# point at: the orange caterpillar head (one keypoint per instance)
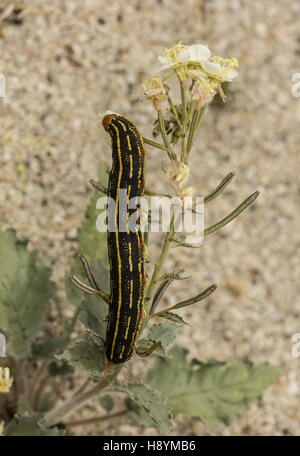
(109, 116)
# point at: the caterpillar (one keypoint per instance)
(125, 246)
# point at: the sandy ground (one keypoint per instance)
(67, 61)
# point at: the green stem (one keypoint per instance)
(174, 111)
(164, 135)
(191, 133)
(70, 405)
(158, 267)
(194, 128)
(184, 120)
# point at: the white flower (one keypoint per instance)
(180, 55)
(221, 69)
(195, 53)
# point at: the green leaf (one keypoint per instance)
(47, 347)
(159, 336)
(150, 401)
(91, 243)
(30, 425)
(215, 392)
(93, 314)
(86, 354)
(173, 317)
(25, 291)
(107, 402)
(199, 297)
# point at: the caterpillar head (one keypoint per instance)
(108, 117)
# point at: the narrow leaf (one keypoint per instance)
(173, 317)
(233, 214)
(220, 188)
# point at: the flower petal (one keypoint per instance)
(210, 67)
(199, 52)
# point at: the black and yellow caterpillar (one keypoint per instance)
(125, 246)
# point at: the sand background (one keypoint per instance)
(67, 61)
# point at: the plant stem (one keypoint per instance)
(164, 135)
(196, 122)
(38, 376)
(174, 111)
(158, 267)
(70, 405)
(184, 120)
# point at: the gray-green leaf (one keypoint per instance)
(47, 347)
(150, 401)
(29, 425)
(159, 336)
(215, 392)
(86, 354)
(25, 291)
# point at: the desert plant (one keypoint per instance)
(39, 354)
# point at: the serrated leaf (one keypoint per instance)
(93, 314)
(91, 243)
(86, 354)
(159, 336)
(215, 392)
(25, 291)
(173, 317)
(107, 402)
(47, 347)
(150, 401)
(30, 425)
